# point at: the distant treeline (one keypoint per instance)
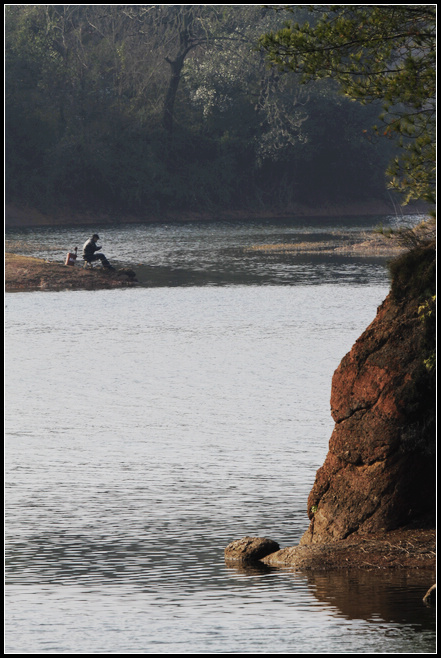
(173, 107)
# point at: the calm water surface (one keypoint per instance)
(147, 428)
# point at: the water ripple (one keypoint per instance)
(143, 433)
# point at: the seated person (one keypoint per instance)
(89, 249)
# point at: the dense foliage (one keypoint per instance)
(381, 53)
(147, 108)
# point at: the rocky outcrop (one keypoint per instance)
(373, 502)
(379, 473)
(396, 549)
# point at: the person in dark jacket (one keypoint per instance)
(89, 252)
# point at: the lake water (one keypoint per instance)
(147, 428)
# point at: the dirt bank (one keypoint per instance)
(26, 274)
(399, 549)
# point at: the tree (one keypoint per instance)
(95, 118)
(173, 32)
(376, 53)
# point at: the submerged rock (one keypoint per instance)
(250, 549)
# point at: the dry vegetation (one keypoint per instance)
(368, 244)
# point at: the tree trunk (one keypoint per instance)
(170, 96)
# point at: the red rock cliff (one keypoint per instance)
(379, 473)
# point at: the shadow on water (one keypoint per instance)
(373, 595)
(170, 277)
(391, 596)
(258, 270)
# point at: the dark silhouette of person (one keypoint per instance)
(89, 252)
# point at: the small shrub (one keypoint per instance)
(414, 273)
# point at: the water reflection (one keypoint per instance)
(392, 596)
(395, 596)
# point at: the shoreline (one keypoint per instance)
(405, 548)
(344, 244)
(22, 216)
(29, 274)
